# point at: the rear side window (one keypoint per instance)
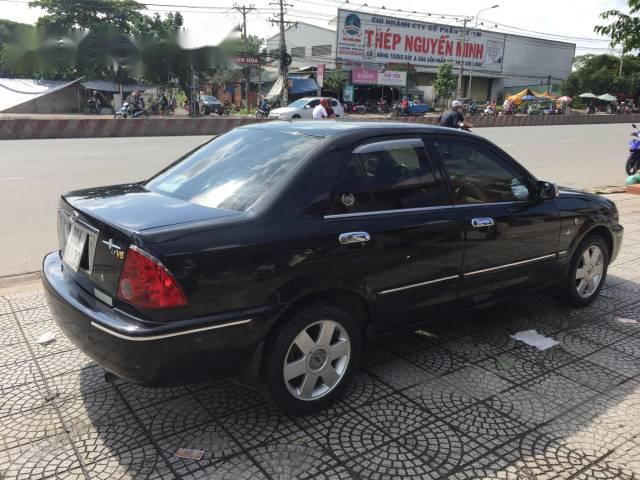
(334, 103)
(236, 169)
(480, 175)
(352, 193)
(400, 175)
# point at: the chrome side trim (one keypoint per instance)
(562, 253)
(421, 284)
(389, 145)
(495, 204)
(507, 265)
(168, 335)
(384, 212)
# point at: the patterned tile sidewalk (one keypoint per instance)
(461, 401)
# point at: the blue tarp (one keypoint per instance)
(303, 85)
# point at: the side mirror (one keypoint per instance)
(634, 125)
(548, 190)
(307, 106)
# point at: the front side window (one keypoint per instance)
(480, 175)
(236, 169)
(400, 176)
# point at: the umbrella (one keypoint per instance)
(587, 95)
(607, 98)
(566, 99)
(528, 98)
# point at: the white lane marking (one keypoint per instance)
(507, 145)
(569, 140)
(10, 178)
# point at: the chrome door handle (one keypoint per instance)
(354, 237)
(482, 222)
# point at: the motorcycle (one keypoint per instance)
(93, 104)
(127, 111)
(591, 110)
(263, 112)
(633, 162)
(474, 109)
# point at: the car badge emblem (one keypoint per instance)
(348, 199)
(111, 246)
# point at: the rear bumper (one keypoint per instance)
(150, 353)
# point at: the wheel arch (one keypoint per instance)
(601, 230)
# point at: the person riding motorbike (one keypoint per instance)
(94, 102)
(134, 101)
(453, 118)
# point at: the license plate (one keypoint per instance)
(74, 247)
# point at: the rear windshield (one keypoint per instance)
(235, 169)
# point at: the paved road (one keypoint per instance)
(33, 173)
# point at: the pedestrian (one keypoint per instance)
(320, 112)
(327, 106)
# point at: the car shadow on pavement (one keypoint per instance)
(458, 400)
(461, 400)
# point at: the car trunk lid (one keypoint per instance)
(108, 218)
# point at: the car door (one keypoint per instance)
(337, 108)
(391, 232)
(511, 235)
(307, 110)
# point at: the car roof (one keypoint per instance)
(339, 128)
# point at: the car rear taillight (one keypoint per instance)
(146, 283)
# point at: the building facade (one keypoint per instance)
(365, 43)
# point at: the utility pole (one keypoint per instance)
(461, 71)
(548, 84)
(475, 29)
(283, 67)
(243, 9)
(621, 60)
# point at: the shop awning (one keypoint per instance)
(303, 85)
(14, 91)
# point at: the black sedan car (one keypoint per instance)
(210, 104)
(274, 251)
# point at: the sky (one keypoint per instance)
(210, 20)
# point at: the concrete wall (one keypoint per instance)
(66, 100)
(28, 128)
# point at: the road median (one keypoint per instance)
(36, 128)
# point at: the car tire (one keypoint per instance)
(587, 273)
(312, 358)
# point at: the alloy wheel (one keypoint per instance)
(316, 360)
(589, 272)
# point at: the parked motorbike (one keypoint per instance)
(633, 162)
(263, 112)
(591, 110)
(474, 109)
(128, 111)
(93, 104)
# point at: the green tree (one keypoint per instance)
(445, 82)
(624, 30)
(334, 82)
(599, 74)
(65, 15)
